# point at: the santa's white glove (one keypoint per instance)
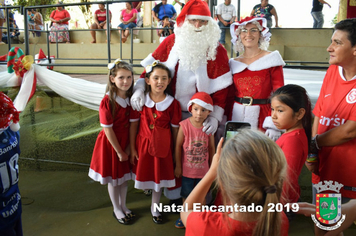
(271, 130)
(138, 97)
(210, 125)
(137, 100)
(273, 134)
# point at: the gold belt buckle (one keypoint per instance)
(250, 103)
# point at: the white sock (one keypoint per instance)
(156, 196)
(114, 193)
(122, 199)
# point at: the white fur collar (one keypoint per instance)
(160, 106)
(122, 102)
(271, 60)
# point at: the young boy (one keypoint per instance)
(198, 147)
(166, 29)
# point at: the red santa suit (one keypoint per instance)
(212, 78)
(256, 80)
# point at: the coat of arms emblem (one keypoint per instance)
(328, 206)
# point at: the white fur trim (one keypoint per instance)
(218, 113)
(160, 106)
(148, 60)
(106, 126)
(247, 114)
(15, 127)
(189, 82)
(271, 60)
(153, 185)
(134, 120)
(201, 103)
(197, 17)
(105, 180)
(185, 86)
(265, 31)
(208, 85)
(171, 62)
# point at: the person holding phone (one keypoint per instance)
(250, 169)
(194, 148)
(256, 74)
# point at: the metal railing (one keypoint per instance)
(131, 59)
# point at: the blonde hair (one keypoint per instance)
(250, 164)
(111, 87)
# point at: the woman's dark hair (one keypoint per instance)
(296, 97)
(163, 67)
(130, 4)
(349, 26)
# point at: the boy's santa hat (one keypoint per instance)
(202, 99)
(9, 116)
(194, 9)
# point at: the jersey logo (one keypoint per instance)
(351, 96)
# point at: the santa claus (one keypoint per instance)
(197, 61)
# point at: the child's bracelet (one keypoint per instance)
(312, 158)
(316, 141)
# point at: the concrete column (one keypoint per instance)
(147, 17)
(342, 10)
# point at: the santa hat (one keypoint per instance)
(9, 116)
(202, 99)
(39, 59)
(194, 9)
(262, 21)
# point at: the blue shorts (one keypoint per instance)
(188, 185)
(128, 26)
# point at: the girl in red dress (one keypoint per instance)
(152, 154)
(250, 171)
(109, 164)
(291, 110)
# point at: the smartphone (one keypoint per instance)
(232, 128)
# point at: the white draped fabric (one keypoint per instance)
(83, 92)
(90, 94)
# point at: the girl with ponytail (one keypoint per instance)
(250, 171)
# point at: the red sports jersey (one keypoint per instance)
(335, 106)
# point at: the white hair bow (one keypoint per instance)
(150, 67)
(111, 65)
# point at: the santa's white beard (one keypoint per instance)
(196, 47)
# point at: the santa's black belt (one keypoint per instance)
(248, 101)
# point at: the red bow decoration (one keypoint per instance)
(19, 68)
